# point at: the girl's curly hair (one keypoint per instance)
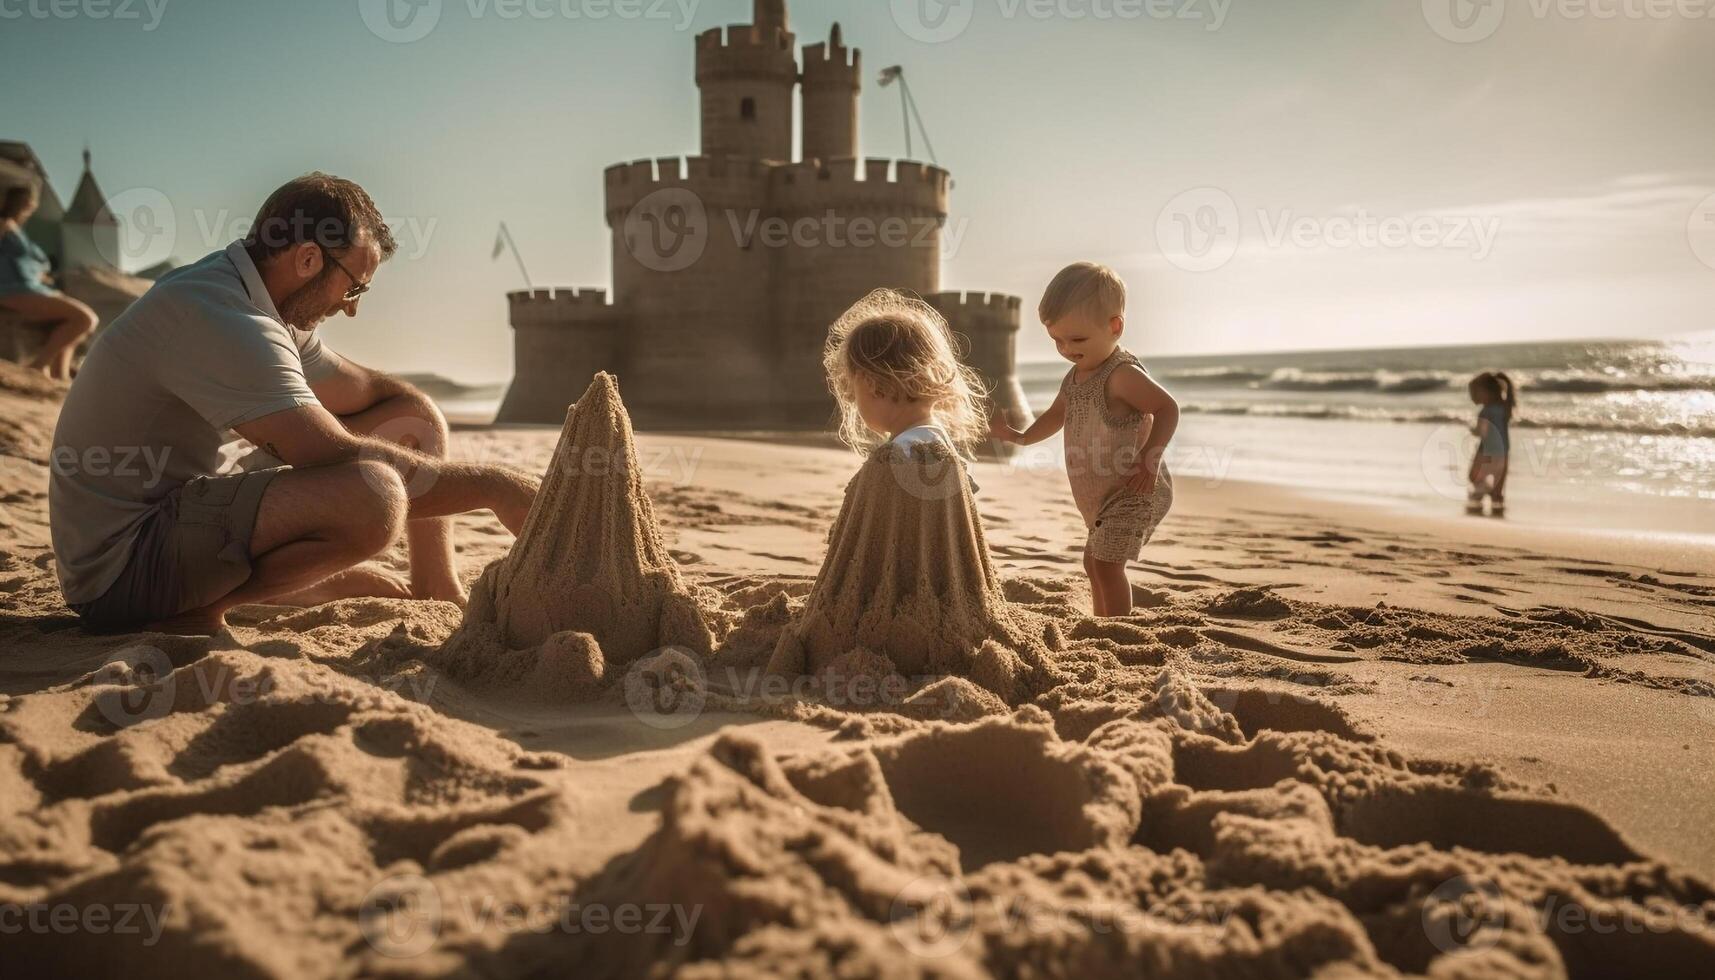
(904, 347)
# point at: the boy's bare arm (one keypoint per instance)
(1046, 424)
(1132, 386)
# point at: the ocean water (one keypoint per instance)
(1608, 435)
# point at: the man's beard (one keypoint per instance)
(302, 308)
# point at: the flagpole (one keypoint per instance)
(507, 234)
(911, 100)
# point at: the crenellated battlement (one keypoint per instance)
(826, 63)
(561, 307)
(719, 183)
(743, 51)
(985, 306)
(744, 37)
(874, 184)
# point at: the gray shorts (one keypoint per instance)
(193, 548)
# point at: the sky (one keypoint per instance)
(1265, 175)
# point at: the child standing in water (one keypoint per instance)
(891, 366)
(1488, 477)
(1118, 423)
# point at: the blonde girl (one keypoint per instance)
(896, 376)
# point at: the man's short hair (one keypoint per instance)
(17, 199)
(330, 211)
(1084, 287)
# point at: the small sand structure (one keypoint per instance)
(907, 578)
(589, 584)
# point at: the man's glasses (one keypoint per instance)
(358, 288)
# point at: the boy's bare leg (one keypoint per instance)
(312, 524)
(1108, 580)
(413, 421)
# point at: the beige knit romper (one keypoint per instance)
(1100, 448)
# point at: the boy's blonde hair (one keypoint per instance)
(1084, 287)
(905, 348)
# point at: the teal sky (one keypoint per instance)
(1557, 171)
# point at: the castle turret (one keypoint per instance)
(747, 74)
(90, 233)
(988, 324)
(832, 80)
(562, 338)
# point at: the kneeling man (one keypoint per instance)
(153, 528)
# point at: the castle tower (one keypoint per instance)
(747, 75)
(832, 80)
(90, 233)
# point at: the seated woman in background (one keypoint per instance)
(26, 289)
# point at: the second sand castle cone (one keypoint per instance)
(590, 558)
(908, 576)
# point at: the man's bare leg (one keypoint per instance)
(366, 581)
(312, 524)
(413, 421)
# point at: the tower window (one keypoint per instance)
(747, 108)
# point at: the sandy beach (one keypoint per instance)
(1332, 739)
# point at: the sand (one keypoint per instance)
(1330, 741)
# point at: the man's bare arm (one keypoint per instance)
(310, 436)
(352, 388)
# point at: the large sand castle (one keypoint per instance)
(703, 276)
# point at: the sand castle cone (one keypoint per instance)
(908, 576)
(590, 558)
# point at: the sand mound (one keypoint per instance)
(1000, 848)
(242, 815)
(907, 575)
(589, 584)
